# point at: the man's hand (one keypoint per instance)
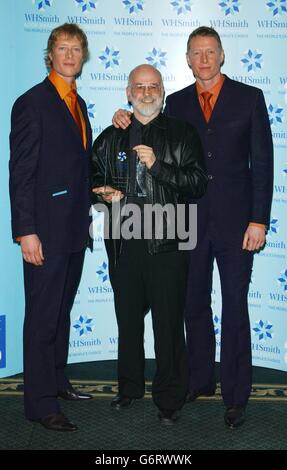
(145, 155)
(32, 249)
(254, 238)
(108, 194)
(121, 119)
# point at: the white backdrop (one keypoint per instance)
(123, 34)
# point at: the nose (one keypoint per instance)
(69, 52)
(204, 57)
(147, 91)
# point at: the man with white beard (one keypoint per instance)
(156, 161)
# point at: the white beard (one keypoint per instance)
(148, 107)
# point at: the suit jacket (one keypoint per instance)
(238, 152)
(49, 171)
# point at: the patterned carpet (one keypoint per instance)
(200, 427)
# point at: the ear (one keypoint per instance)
(222, 58)
(187, 59)
(50, 56)
(128, 93)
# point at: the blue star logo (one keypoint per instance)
(252, 60)
(181, 7)
(157, 58)
(275, 114)
(102, 272)
(110, 57)
(91, 109)
(277, 7)
(229, 7)
(133, 6)
(273, 227)
(217, 325)
(122, 156)
(284, 171)
(42, 4)
(83, 325)
(263, 330)
(283, 279)
(86, 5)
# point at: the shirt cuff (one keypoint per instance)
(255, 224)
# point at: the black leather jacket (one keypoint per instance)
(177, 175)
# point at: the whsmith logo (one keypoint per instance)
(217, 325)
(229, 7)
(280, 299)
(117, 77)
(252, 60)
(263, 330)
(2, 341)
(283, 280)
(110, 57)
(181, 7)
(275, 113)
(83, 325)
(85, 20)
(86, 6)
(276, 8)
(157, 58)
(273, 226)
(41, 5)
(102, 272)
(133, 6)
(91, 109)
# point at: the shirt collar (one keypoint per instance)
(62, 87)
(215, 89)
(157, 121)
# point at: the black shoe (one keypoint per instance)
(234, 416)
(72, 394)
(121, 401)
(194, 394)
(57, 422)
(167, 417)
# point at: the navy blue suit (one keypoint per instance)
(50, 197)
(238, 152)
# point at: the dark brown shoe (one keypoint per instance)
(121, 402)
(168, 417)
(57, 422)
(234, 416)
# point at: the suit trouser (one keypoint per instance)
(141, 280)
(234, 265)
(49, 293)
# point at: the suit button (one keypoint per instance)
(209, 131)
(210, 177)
(209, 154)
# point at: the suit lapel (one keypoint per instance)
(63, 108)
(222, 102)
(196, 110)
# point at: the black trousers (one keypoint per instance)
(49, 293)
(140, 281)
